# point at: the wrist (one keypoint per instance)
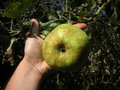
(24, 74)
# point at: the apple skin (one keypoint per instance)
(64, 47)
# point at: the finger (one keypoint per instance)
(81, 25)
(35, 27)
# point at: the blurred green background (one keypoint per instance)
(101, 72)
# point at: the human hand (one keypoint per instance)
(33, 49)
(33, 66)
(33, 46)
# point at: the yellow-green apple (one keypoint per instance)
(64, 47)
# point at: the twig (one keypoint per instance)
(11, 23)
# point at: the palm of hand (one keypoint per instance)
(33, 48)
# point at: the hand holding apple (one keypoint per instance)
(33, 66)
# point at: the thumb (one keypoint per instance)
(34, 30)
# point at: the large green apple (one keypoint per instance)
(63, 47)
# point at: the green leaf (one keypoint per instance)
(114, 18)
(12, 10)
(50, 25)
(26, 3)
(15, 9)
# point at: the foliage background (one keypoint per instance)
(103, 19)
